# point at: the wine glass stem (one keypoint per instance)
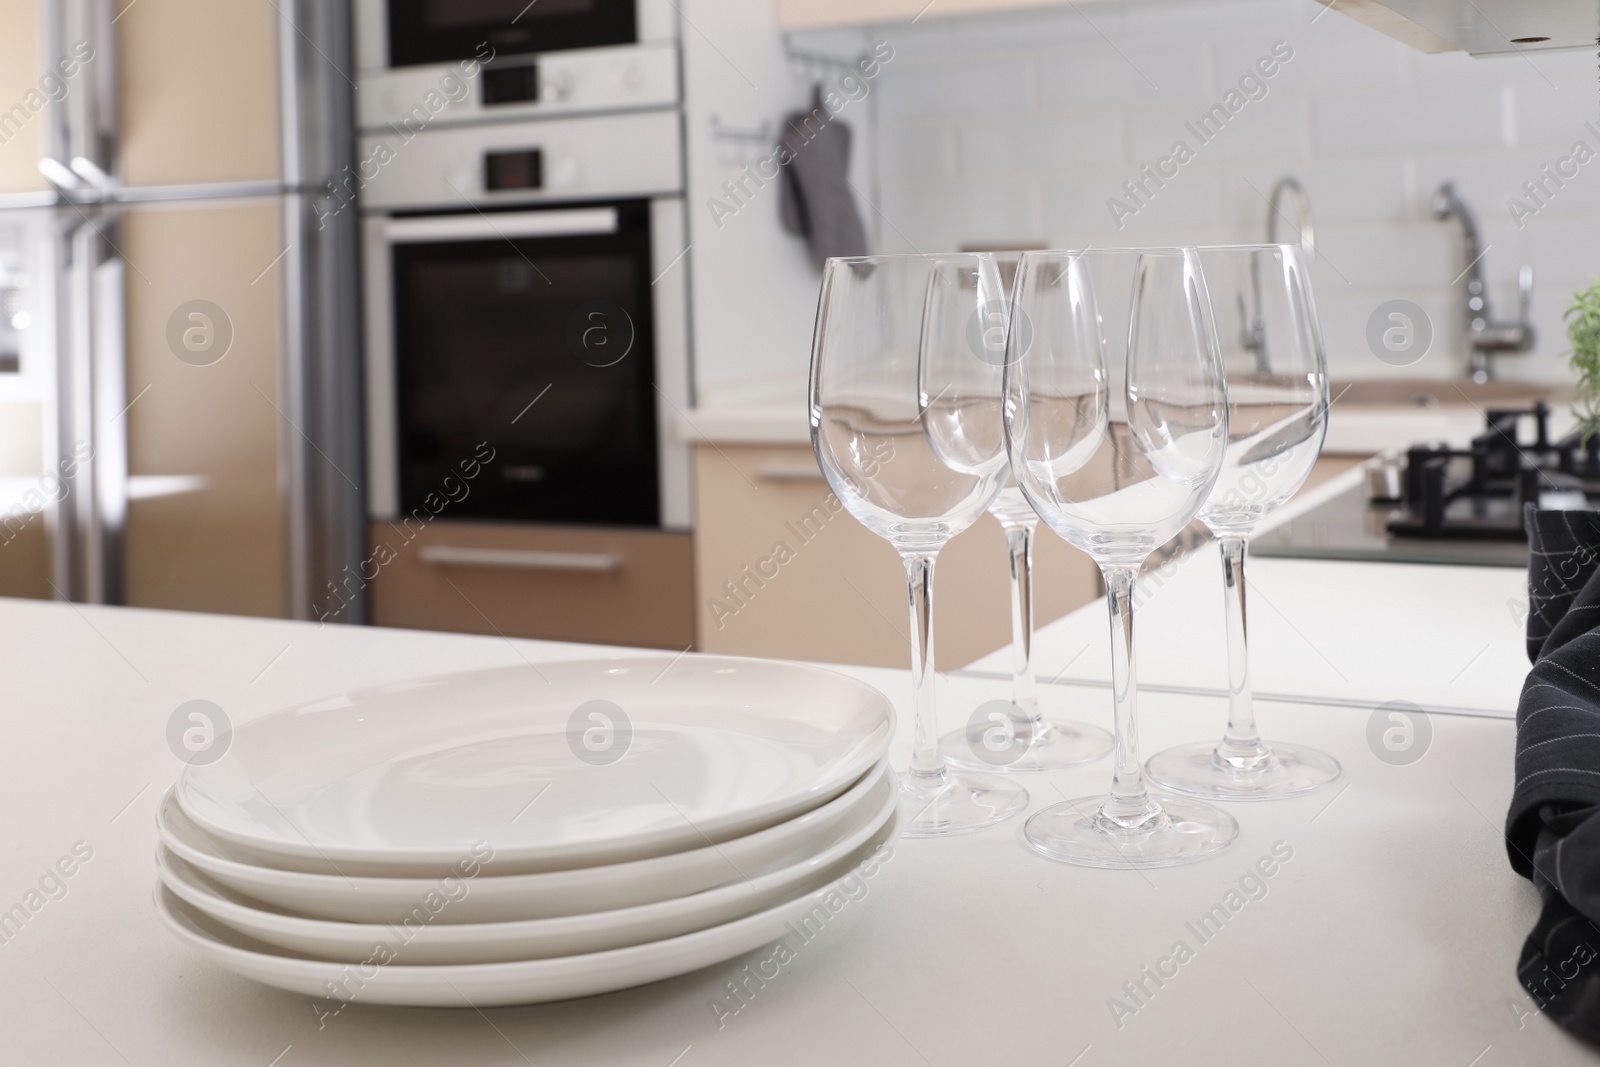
(1241, 741)
(925, 758)
(1019, 536)
(1129, 801)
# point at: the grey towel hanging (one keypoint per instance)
(816, 198)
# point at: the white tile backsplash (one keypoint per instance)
(1375, 123)
(1021, 127)
(920, 150)
(1105, 74)
(949, 90)
(1275, 126)
(1005, 146)
(1343, 190)
(1555, 114)
(956, 214)
(1330, 53)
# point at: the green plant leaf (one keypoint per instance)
(1583, 334)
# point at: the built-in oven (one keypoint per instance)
(527, 321)
(427, 61)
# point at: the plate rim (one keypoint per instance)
(524, 884)
(578, 854)
(581, 975)
(783, 879)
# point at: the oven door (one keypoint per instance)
(524, 352)
(439, 31)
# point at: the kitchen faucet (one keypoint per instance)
(1253, 331)
(1484, 335)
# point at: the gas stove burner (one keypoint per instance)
(1478, 492)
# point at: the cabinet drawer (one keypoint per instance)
(605, 586)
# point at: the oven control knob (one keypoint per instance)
(565, 172)
(559, 85)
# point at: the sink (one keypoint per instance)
(1443, 392)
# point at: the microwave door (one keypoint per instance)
(442, 31)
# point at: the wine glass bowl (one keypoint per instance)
(900, 458)
(1116, 473)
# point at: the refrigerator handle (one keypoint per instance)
(106, 570)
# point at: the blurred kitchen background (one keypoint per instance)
(485, 316)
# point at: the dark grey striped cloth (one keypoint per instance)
(1553, 827)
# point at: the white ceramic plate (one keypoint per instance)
(524, 981)
(499, 897)
(420, 773)
(422, 941)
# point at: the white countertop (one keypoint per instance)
(1445, 638)
(1391, 936)
(773, 412)
(1365, 430)
(762, 412)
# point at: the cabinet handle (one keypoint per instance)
(790, 472)
(522, 559)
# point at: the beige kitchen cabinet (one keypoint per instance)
(782, 570)
(1496, 27)
(1487, 27)
(816, 14)
(602, 585)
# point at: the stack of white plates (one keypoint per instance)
(527, 834)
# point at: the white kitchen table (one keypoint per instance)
(1389, 934)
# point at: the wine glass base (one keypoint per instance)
(1059, 745)
(1183, 831)
(1197, 771)
(956, 802)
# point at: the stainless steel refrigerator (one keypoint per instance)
(179, 304)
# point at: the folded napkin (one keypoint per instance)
(817, 201)
(1553, 827)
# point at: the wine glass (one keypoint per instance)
(1014, 735)
(907, 426)
(1116, 417)
(1277, 419)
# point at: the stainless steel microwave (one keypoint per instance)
(439, 31)
(426, 62)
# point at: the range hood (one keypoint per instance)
(1481, 27)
